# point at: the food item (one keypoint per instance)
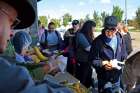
(65, 82)
(39, 54)
(59, 53)
(77, 87)
(35, 59)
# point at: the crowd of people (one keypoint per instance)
(105, 53)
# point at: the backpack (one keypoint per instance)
(46, 34)
(60, 42)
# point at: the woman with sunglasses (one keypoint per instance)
(107, 56)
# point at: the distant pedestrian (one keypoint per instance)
(126, 36)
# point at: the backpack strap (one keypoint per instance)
(56, 32)
(60, 41)
(46, 34)
(44, 44)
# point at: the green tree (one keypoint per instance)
(81, 22)
(96, 18)
(87, 17)
(103, 16)
(132, 23)
(43, 20)
(56, 21)
(137, 19)
(118, 12)
(66, 19)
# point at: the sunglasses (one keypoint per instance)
(75, 24)
(15, 21)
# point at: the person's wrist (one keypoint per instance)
(47, 68)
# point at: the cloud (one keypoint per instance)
(92, 1)
(131, 13)
(50, 13)
(64, 10)
(62, 6)
(105, 1)
(81, 3)
(42, 12)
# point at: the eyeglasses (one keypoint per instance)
(15, 21)
(74, 24)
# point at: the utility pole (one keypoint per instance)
(125, 12)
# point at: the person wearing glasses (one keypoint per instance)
(107, 56)
(69, 41)
(14, 78)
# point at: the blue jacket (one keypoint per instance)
(100, 51)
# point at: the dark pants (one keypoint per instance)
(101, 89)
(84, 73)
(71, 68)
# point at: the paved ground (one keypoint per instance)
(135, 39)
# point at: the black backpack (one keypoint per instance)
(44, 44)
(46, 34)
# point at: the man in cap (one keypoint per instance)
(18, 14)
(107, 56)
(69, 40)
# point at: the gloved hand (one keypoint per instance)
(116, 64)
(107, 65)
(104, 62)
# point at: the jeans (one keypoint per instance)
(108, 87)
